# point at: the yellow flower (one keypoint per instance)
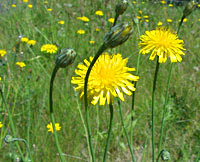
(170, 5)
(169, 20)
(2, 53)
(199, 20)
(163, 43)
(140, 11)
(46, 2)
(159, 23)
(99, 12)
(198, 5)
(13, 5)
(111, 20)
(25, 1)
(138, 17)
(185, 20)
(20, 64)
(85, 19)
(163, 2)
(49, 9)
(1, 125)
(31, 42)
(109, 78)
(30, 6)
(50, 127)
(134, 2)
(49, 48)
(147, 20)
(142, 2)
(24, 39)
(80, 31)
(0, 78)
(91, 42)
(97, 29)
(61, 22)
(146, 17)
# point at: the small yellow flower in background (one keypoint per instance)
(20, 64)
(1, 125)
(97, 29)
(199, 20)
(163, 43)
(142, 2)
(24, 39)
(146, 17)
(30, 6)
(111, 20)
(163, 2)
(140, 11)
(85, 19)
(109, 78)
(134, 2)
(13, 5)
(49, 9)
(185, 20)
(198, 5)
(2, 52)
(169, 20)
(170, 5)
(91, 42)
(25, 1)
(99, 12)
(138, 17)
(146, 20)
(49, 48)
(81, 31)
(46, 2)
(31, 42)
(160, 23)
(50, 127)
(61, 22)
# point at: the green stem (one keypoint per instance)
(116, 18)
(165, 108)
(180, 24)
(133, 95)
(109, 132)
(100, 51)
(52, 115)
(153, 98)
(12, 124)
(126, 134)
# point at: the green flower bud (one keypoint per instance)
(165, 156)
(65, 57)
(117, 35)
(8, 139)
(189, 8)
(121, 7)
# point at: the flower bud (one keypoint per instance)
(117, 35)
(189, 8)
(65, 57)
(165, 156)
(121, 7)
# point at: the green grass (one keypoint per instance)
(26, 89)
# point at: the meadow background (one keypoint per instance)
(26, 89)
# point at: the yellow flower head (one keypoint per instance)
(1, 125)
(169, 20)
(31, 42)
(46, 2)
(80, 31)
(162, 43)
(170, 5)
(97, 29)
(111, 20)
(49, 48)
(2, 53)
(30, 6)
(50, 127)
(185, 20)
(49, 9)
(91, 42)
(61, 22)
(134, 2)
(163, 2)
(20, 64)
(140, 11)
(85, 19)
(146, 16)
(109, 78)
(198, 5)
(24, 39)
(13, 5)
(25, 1)
(159, 23)
(99, 12)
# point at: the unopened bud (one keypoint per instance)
(117, 35)
(65, 57)
(8, 139)
(121, 7)
(165, 156)
(189, 8)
